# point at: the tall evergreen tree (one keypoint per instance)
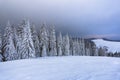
(27, 50)
(1, 57)
(35, 40)
(66, 45)
(19, 41)
(87, 51)
(0, 43)
(43, 40)
(59, 44)
(52, 42)
(71, 46)
(82, 46)
(44, 52)
(9, 51)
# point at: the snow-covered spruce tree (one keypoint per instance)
(105, 49)
(77, 47)
(43, 36)
(1, 57)
(14, 35)
(96, 51)
(27, 47)
(15, 39)
(52, 42)
(0, 43)
(87, 51)
(82, 46)
(35, 40)
(66, 45)
(59, 44)
(44, 52)
(71, 45)
(9, 51)
(19, 41)
(101, 51)
(74, 47)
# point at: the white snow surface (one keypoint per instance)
(112, 45)
(62, 68)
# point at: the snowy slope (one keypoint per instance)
(112, 46)
(62, 68)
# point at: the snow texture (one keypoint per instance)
(62, 68)
(112, 46)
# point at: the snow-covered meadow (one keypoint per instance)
(62, 68)
(112, 45)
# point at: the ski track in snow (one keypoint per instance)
(62, 68)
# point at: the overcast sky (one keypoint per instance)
(90, 18)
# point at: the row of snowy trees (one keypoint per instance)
(23, 41)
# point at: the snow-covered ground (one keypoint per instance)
(62, 68)
(112, 46)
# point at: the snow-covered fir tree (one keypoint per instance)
(0, 43)
(43, 36)
(96, 52)
(52, 42)
(101, 51)
(44, 52)
(66, 45)
(24, 42)
(35, 40)
(71, 45)
(19, 41)
(9, 50)
(1, 57)
(27, 47)
(82, 47)
(87, 51)
(59, 44)
(77, 47)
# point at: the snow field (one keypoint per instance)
(62, 68)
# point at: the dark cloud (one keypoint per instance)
(77, 17)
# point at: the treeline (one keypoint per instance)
(24, 41)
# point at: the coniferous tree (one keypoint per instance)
(74, 47)
(35, 40)
(0, 43)
(66, 45)
(101, 51)
(77, 47)
(9, 51)
(44, 52)
(96, 52)
(87, 52)
(1, 57)
(82, 46)
(59, 44)
(43, 40)
(27, 50)
(19, 41)
(52, 42)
